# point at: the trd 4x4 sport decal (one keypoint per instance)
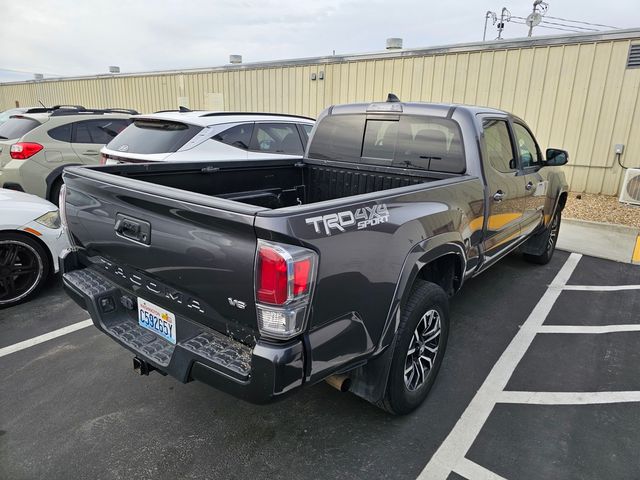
(341, 221)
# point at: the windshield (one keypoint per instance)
(16, 127)
(153, 136)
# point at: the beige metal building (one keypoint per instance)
(577, 92)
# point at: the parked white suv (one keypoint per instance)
(200, 135)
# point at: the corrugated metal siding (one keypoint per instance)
(578, 96)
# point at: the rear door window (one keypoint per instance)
(276, 138)
(100, 131)
(238, 136)
(499, 149)
(430, 143)
(17, 127)
(153, 136)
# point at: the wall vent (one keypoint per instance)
(634, 56)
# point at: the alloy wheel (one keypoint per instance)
(423, 349)
(21, 269)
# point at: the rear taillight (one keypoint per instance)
(24, 150)
(103, 159)
(62, 206)
(285, 277)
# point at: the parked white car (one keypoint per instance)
(31, 239)
(186, 135)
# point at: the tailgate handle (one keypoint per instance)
(133, 229)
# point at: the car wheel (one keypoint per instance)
(551, 234)
(24, 267)
(421, 341)
(54, 193)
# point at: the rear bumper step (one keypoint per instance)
(258, 374)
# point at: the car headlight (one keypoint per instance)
(50, 219)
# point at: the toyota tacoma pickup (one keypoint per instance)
(261, 277)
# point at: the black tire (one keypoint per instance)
(404, 394)
(54, 193)
(24, 268)
(550, 238)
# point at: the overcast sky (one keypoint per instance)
(71, 37)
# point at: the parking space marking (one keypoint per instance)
(469, 469)
(16, 347)
(451, 453)
(595, 329)
(568, 398)
(598, 288)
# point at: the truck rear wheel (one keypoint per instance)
(420, 345)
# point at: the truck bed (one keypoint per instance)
(275, 184)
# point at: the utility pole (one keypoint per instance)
(489, 15)
(505, 15)
(535, 17)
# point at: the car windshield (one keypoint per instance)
(153, 136)
(16, 127)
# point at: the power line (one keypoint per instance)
(584, 23)
(560, 24)
(24, 71)
(544, 26)
(571, 26)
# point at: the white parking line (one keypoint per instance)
(16, 347)
(568, 398)
(469, 469)
(598, 288)
(452, 451)
(589, 328)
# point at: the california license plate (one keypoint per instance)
(157, 319)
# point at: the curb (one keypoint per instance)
(629, 253)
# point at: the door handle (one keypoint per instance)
(133, 229)
(529, 186)
(498, 196)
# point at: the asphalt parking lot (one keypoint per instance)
(540, 381)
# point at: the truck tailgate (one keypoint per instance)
(194, 260)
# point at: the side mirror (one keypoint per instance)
(556, 157)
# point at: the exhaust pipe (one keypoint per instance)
(339, 382)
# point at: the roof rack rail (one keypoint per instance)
(89, 111)
(122, 110)
(216, 114)
(181, 110)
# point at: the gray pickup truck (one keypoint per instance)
(261, 277)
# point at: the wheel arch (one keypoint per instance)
(54, 176)
(423, 261)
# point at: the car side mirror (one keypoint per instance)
(556, 157)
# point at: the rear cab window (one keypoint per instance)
(16, 127)
(406, 141)
(148, 136)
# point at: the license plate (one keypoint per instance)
(111, 162)
(157, 319)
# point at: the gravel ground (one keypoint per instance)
(601, 208)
